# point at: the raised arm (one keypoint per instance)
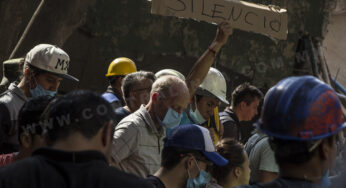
(201, 67)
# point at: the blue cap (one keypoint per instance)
(195, 137)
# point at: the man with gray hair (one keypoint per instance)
(44, 67)
(136, 89)
(138, 138)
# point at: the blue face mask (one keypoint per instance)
(325, 181)
(196, 115)
(40, 91)
(171, 119)
(200, 181)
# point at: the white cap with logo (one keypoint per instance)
(51, 59)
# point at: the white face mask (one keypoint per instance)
(196, 115)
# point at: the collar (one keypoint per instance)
(148, 121)
(232, 114)
(14, 88)
(66, 156)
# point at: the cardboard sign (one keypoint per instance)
(267, 20)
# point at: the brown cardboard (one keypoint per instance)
(266, 20)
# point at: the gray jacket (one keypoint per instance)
(11, 101)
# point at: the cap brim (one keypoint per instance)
(215, 158)
(69, 77)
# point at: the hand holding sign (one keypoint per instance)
(223, 32)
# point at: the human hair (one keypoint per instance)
(35, 71)
(80, 111)
(133, 80)
(29, 115)
(171, 156)
(245, 92)
(294, 152)
(233, 151)
(167, 86)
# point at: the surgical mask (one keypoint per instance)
(200, 181)
(325, 181)
(40, 91)
(196, 115)
(171, 119)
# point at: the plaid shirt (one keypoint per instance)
(137, 144)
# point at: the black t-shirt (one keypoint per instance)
(54, 168)
(155, 181)
(284, 183)
(120, 113)
(240, 131)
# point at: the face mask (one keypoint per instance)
(200, 181)
(40, 91)
(325, 181)
(171, 119)
(196, 115)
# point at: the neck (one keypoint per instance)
(152, 113)
(231, 182)
(77, 142)
(132, 106)
(172, 178)
(117, 87)
(129, 109)
(21, 155)
(310, 172)
(24, 87)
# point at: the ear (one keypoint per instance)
(155, 96)
(237, 172)
(325, 149)
(243, 104)
(26, 140)
(27, 73)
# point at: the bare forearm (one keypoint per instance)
(201, 67)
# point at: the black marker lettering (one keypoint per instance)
(181, 9)
(214, 11)
(232, 14)
(274, 23)
(247, 14)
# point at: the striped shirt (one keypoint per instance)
(137, 144)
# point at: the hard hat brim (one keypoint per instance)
(204, 92)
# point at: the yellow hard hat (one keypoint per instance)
(121, 66)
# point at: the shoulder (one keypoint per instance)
(114, 177)
(6, 96)
(155, 181)
(248, 186)
(20, 168)
(110, 97)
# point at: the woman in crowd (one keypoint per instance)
(236, 172)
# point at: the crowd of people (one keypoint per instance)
(164, 129)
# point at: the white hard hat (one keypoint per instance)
(215, 84)
(170, 72)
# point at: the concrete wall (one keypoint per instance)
(335, 47)
(110, 29)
